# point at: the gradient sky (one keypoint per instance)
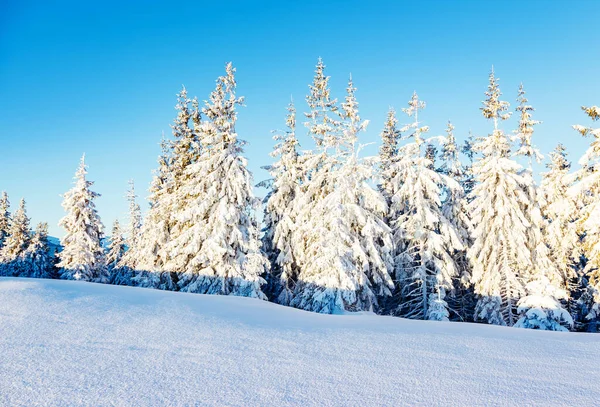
(101, 77)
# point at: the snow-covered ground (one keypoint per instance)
(67, 343)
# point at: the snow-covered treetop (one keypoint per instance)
(322, 124)
(493, 107)
(349, 113)
(414, 105)
(525, 130)
(593, 152)
(497, 144)
(389, 137)
(558, 159)
(451, 164)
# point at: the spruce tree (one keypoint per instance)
(499, 253)
(279, 218)
(4, 218)
(38, 257)
(155, 231)
(425, 238)
(116, 251)
(17, 242)
(82, 256)
(540, 308)
(587, 190)
(214, 241)
(388, 156)
(124, 272)
(454, 207)
(345, 244)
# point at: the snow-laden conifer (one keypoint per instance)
(560, 211)
(38, 257)
(15, 245)
(541, 308)
(279, 218)
(124, 271)
(587, 192)
(468, 180)
(543, 272)
(214, 241)
(454, 208)
(425, 238)
(82, 256)
(116, 250)
(156, 229)
(388, 156)
(499, 253)
(4, 218)
(345, 245)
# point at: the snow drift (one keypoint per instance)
(76, 343)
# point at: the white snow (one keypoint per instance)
(73, 343)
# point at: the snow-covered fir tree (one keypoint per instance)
(4, 218)
(134, 229)
(346, 251)
(468, 180)
(454, 207)
(116, 250)
(587, 192)
(37, 257)
(500, 253)
(124, 271)
(543, 278)
(15, 245)
(279, 219)
(524, 131)
(540, 309)
(214, 241)
(559, 209)
(82, 256)
(174, 205)
(388, 156)
(156, 229)
(425, 238)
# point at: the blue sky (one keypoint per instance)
(101, 77)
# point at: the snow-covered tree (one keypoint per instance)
(587, 192)
(82, 257)
(116, 250)
(540, 309)
(278, 213)
(454, 208)
(543, 272)
(525, 129)
(156, 229)
(388, 156)
(124, 272)
(559, 209)
(214, 241)
(37, 257)
(4, 218)
(15, 245)
(468, 180)
(345, 250)
(424, 237)
(499, 253)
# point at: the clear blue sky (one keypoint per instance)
(101, 77)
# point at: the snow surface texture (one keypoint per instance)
(72, 343)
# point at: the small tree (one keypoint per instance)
(17, 242)
(116, 250)
(4, 218)
(82, 257)
(38, 257)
